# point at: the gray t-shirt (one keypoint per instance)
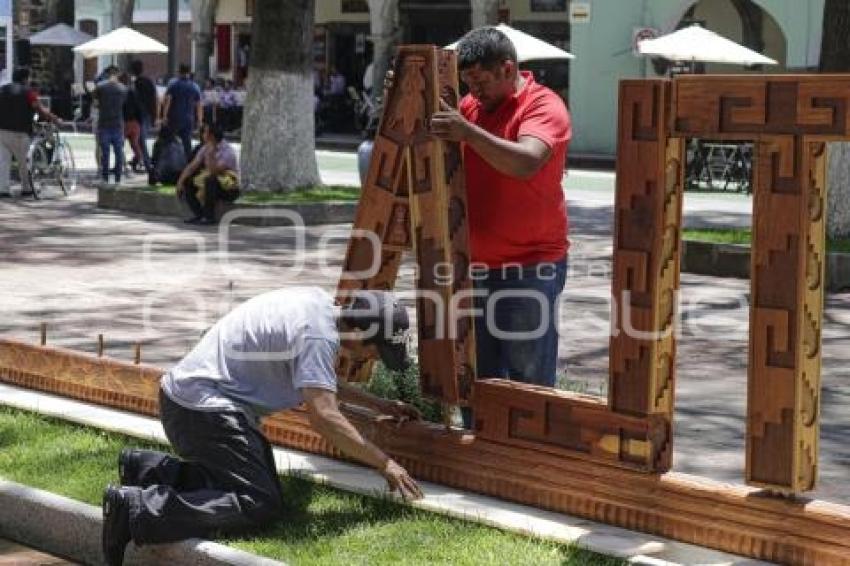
(260, 355)
(110, 102)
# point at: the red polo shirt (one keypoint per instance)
(514, 220)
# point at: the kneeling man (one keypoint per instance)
(273, 352)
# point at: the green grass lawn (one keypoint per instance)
(321, 525)
(322, 193)
(744, 236)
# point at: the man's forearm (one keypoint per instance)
(342, 434)
(350, 394)
(508, 157)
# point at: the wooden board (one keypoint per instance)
(567, 424)
(415, 197)
(686, 508)
(647, 233)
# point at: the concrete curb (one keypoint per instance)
(71, 529)
(733, 260)
(130, 199)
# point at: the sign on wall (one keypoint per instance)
(579, 12)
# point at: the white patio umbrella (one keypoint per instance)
(60, 35)
(696, 43)
(118, 41)
(528, 47)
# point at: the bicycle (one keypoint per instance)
(50, 162)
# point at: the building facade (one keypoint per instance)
(788, 31)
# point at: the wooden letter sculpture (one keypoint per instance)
(415, 197)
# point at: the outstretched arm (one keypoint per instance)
(324, 415)
(398, 409)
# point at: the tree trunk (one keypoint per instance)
(278, 140)
(386, 32)
(834, 58)
(61, 67)
(122, 16)
(203, 16)
(485, 13)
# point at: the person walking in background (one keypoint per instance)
(132, 123)
(210, 97)
(182, 109)
(148, 105)
(18, 102)
(111, 95)
(227, 106)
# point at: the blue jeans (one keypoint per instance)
(144, 132)
(111, 138)
(517, 336)
(184, 132)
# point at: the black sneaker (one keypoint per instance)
(207, 222)
(116, 525)
(194, 220)
(128, 467)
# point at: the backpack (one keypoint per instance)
(168, 159)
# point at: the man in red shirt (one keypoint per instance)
(515, 134)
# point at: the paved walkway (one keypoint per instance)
(136, 278)
(13, 554)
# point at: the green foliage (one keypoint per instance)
(321, 525)
(744, 236)
(320, 193)
(403, 386)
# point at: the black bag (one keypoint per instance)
(168, 159)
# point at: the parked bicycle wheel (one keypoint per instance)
(66, 168)
(41, 174)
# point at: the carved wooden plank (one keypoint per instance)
(646, 255)
(746, 105)
(788, 273)
(682, 507)
(415, 196)
(565, 423)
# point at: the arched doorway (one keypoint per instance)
(742, 21)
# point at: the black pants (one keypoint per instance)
(225, 482)
(214, 193)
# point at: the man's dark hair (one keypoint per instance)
(485, 46)
(184, 69)
(217, 131)
(137, 68)
(20, 75)
(111, 71)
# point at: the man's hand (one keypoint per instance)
(400, 411)
(448, 124)
(399, 480)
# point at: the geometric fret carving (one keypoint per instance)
(647, 222)
(414, 198)
(788, 272)
(566, 423)
(789, 117)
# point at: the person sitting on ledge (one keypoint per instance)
(214, 175)
(271, 353)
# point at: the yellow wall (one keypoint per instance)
(331, 11)
(231, 11)
(327, 11)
